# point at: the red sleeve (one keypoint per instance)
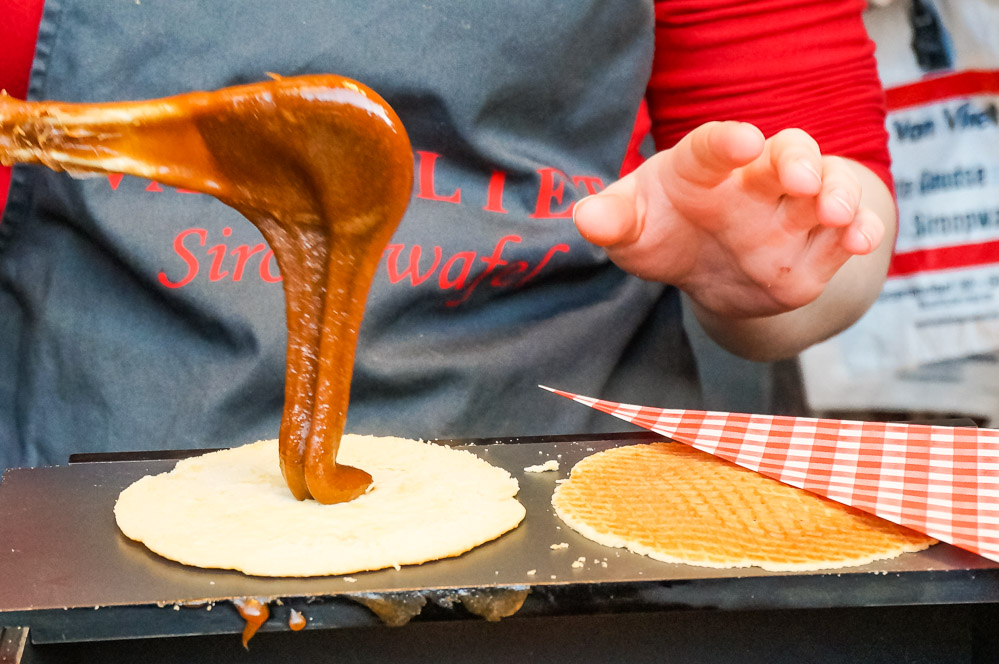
(18, 31)
(774, 63)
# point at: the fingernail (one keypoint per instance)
(577, 205)
(842, 199)
(807, 165)
(870, 240)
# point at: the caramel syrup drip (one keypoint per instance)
(254, 612)
(296, 621)
(320, 164)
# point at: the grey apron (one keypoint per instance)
(137, 316)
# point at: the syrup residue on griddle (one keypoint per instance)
(394, 609)
(398, 608)
(296, 620)
(254, 612)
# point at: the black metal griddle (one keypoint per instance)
(68, 575)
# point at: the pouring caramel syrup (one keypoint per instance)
(320, 164)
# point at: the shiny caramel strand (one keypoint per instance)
(254, 612)
(320, 164)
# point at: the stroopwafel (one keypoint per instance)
(676, 504)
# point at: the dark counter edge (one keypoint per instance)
(827, 590)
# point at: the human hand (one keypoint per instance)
(746, 226)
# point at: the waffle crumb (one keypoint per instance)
(547, 466)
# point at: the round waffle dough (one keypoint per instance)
(233, 510)
(677, 504)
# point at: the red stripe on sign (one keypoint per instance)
(944, 258)
(938, 88)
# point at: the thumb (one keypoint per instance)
(610, 217)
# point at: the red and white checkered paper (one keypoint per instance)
(941, 481)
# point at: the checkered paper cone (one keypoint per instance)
(938, 480)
